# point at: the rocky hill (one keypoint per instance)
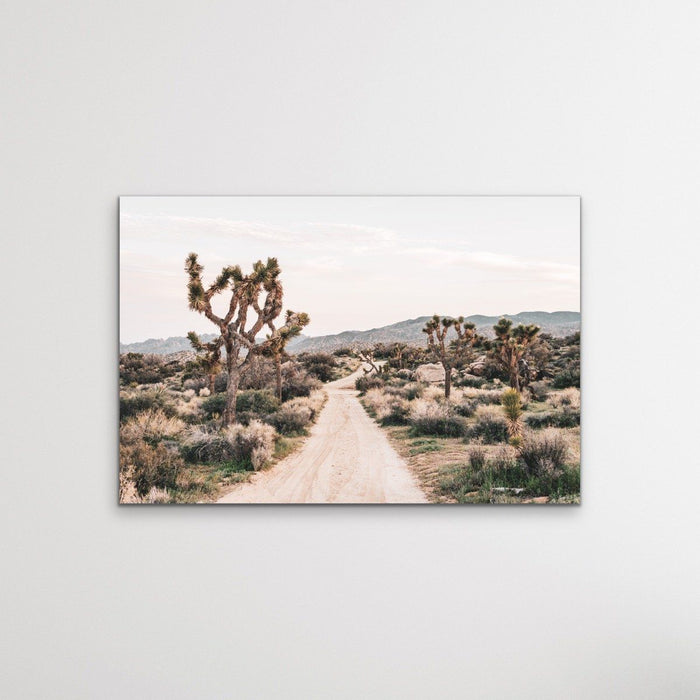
(557, 323)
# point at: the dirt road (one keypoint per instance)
(346, 459)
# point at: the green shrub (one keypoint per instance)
(567, 378)
(149, 466)
(477, 457)
(566, 418)
(428, 417)
(471, 381)
(539, 390)
(544, 453)
(257, 401)
(214, 405)
(135, 368)
(465, 408)
(367, 382)
(319, 364)
(131, 404)
(489, 425)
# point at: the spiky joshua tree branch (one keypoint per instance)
(245, 317)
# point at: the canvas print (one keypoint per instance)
(328, 350)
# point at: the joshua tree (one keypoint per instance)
(449, 353)
(210, 359)
(238, 338)
(368, 357)
(277, 341)
(399, 356)
(510, 347)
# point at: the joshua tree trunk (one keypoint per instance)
(278, 376)
(234, 378)
(212, 380)
(448, 380)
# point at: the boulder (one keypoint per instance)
(431, 373)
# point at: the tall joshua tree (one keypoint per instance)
(209, 356)
(449, 352)
(510, 347)
(238, 336)
(277, 341)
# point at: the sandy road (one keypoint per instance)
(346, 459)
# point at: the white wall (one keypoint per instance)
(591, 98)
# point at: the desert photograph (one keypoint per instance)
(349, 350)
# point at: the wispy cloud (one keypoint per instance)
(489, 261)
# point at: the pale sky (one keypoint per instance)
(352, 263)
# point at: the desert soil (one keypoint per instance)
(346, 459)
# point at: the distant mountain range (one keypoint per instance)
(556, 323)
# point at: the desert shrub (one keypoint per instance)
(465, 407)
(189, 411)
(259, 373)
(489, 425)
(568, 397)
(148, 466)
(544, 453)
(471, 381)
(131, 404)
(220, 382)
(412, 390)
(568, 417)
(201, 445)
(482, 396)
(319, 364)
(367, 382)
(297, 382)
(503, 459)
(204, 391)
(257, 401)
(428, 417)
(135, 368)
(539, 390)
(151, 426)
(195, 383)
(253, 444)
(477, 457)
(538, 420)
(388, 406)
(293, 417)
(567, 378)
(214, 405)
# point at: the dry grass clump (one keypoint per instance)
(429, 417)
(570, 397)
(152, 426)
(293, 417)
(146, 466)
(483, 396)
(490, 425)
(252, 443)
(389, 408)
(204, 391)
(545, 452)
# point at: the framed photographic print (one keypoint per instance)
(349, 350)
